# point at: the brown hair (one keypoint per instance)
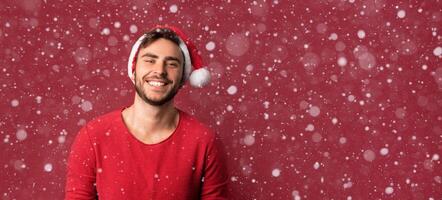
(158, 33)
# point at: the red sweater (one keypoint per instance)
(108, 162)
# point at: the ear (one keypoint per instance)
(132, 78)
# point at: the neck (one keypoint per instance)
(146, 119)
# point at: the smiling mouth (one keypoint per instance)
(156, 83)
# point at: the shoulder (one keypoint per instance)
(103, 122)
(191, 125)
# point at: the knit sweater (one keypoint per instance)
(107, 162)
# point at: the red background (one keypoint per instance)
(334, 99)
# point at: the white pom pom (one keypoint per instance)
(199, 77)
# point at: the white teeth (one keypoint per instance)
(155, 83)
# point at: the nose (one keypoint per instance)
(160, 68)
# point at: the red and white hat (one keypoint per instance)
(198, 75)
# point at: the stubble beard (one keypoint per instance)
(140, 91)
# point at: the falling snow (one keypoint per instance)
(314, 111)
(48, 167)
(21, 134)
(437, 51)
(361, 34)
(232, 90)
(384, 151)
(86, 106)
(312, 100)
(401, 13)
(369, 155)
(249, 140)
(237, 44)
(342, 61)
(14, 103)
(276, 172)
(173, 8)
(389, 190)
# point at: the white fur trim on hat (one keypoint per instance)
(199, 77)
(133, 54)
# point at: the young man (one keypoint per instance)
(150, 150)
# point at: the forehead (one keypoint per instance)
(162, 48)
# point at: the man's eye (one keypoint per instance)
(149, 61)
(173, 64)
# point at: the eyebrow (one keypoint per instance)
(167, 58)
(149, 55)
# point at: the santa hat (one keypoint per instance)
(198, 75)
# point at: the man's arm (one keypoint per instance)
(215, 175)
(80, 179)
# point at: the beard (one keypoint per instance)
(155, 102)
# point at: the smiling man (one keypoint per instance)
(151, 149)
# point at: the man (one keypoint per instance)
(150, 150)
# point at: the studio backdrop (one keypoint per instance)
(327, 99)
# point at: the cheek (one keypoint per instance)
(178, 74)
(172, 73)
(140, 69)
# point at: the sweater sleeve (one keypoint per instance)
(215, 181)
(80, 180)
